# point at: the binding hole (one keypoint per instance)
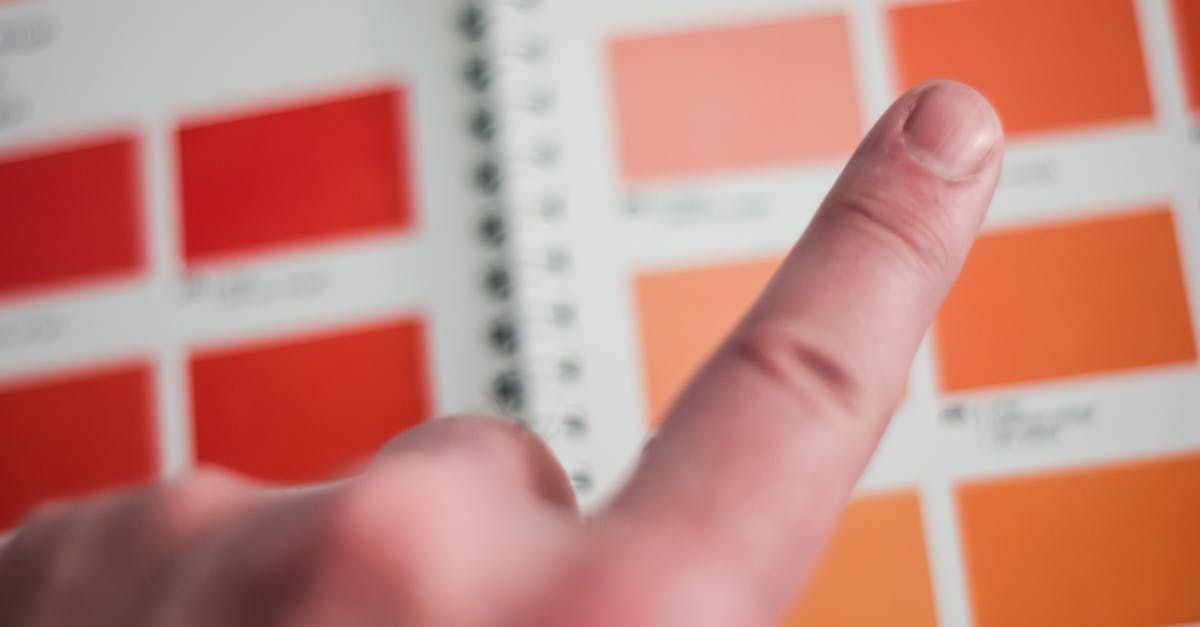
(497, 282)
(492, 229)
(507, 390)
(473, 22)
(503, 336)
(483, 124)
(478, 73)
(487, 176)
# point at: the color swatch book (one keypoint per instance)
(269, 235)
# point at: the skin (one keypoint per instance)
(470, 521)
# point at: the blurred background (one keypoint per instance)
(270, 235)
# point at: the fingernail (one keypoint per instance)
(952, 130)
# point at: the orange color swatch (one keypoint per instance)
(683, 316)
(1046, 66)
(304, 409)
(875, 570)
(734, 98)
(1102, 546)
(1187, 34)
(1085, 297)
(73, 434)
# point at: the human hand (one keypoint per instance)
(469, 521)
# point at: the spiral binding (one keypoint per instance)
(505, 390)
(516, 177)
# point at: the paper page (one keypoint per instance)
(1046, 457)
(232, 233)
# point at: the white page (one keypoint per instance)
(142, 68)
(1094, 418)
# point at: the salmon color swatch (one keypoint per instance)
(874, 571)
(305, 409)
(1103, 546)
(292, 176)
(1187, 34)
(1046, 66)
(69, 214)
(734, 98)
(683, 315)
(72, 434)
(1086, 297)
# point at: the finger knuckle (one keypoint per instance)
(349, 521)
(200, 486)
(900, 222)
(372, 511)
(491, 435)
(796, 362)
(189, 502)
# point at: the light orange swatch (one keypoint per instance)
(875, 570)
(684, 314)
(1046, 66)
(1187, 33)
(1116, 545)
(734, 98)
(1085, 297)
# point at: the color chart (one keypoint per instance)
(267, 178)
(739, 98)
(274, 252)
(1038, 468)
(1067, 64)
(73, 214)
(253, 254)
(1187, 33)
(317, 404)
(68, 433)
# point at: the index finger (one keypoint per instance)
(757, 457)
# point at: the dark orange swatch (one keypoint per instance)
(70, 214)
(1045, 65)
(312, 172)
(683, 314)
(72, 434)
(734, 98)
(1187, 33)
(875, 570)
(1085, 297)
(304, 409)
(1102, 546)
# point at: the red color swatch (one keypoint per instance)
(1115, 545)
(304, 409)
(1046, 66)
(294, 176)
(70, 435)
(1187, 33)
(69, 214)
